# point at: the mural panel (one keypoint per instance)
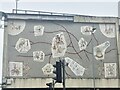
(34, 46)
(16, 69)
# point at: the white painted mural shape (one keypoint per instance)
(38, 30)
(59, 45)
(108, 30)
(23, 45)
(68, 60)
(38, 56)
(15, 27)
(99, 51)
(76, 68)
(16, 69)
(110, 70)
(82, 44)
(87, 30)
(26, 67)
(48, 69)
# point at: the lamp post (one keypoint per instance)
(16, 5)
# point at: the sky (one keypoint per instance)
(81, 7)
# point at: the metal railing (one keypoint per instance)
(19, 11)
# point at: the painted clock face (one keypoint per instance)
(15, 27)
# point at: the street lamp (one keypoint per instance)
(16, 5)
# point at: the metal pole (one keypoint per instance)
(16, 5)
(53, 85)
(63, 65)
(93, 64)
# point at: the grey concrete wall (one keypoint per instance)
(86, 58)
(28, 69)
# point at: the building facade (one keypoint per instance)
(89, 46)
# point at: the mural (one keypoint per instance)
(38, 30)
(108, 30)
(87, 30)
(77, 69)
(79, 45)
(110, 70)
(48, 69)
(23, 45)
(15, 27)
(82, 44)
(59, 46)
(16, 69)
(38, 56)
(99, 51)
